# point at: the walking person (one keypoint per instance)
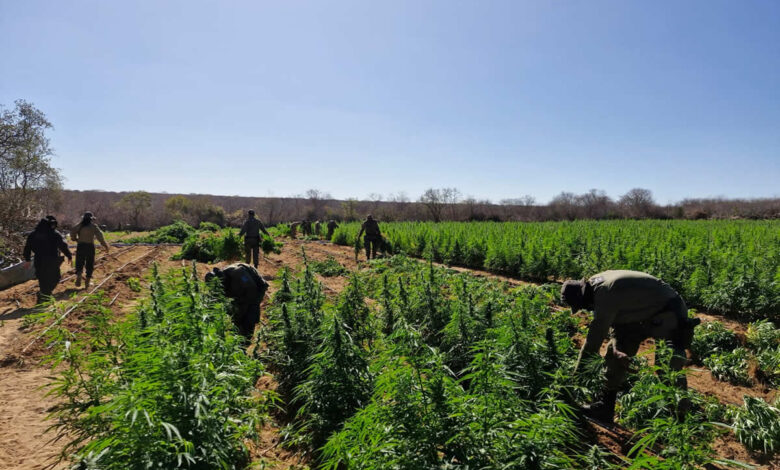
(84, 234)
(46, 244)
(246, 287)
(251, 233)
(635, 306)
(332, 226)
(373, 238)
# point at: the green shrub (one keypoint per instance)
(712, 338)
(169, 387)
(208, 247)
(177, 232)
(209, 227)
(757, 425)
(730, 366)
(329, 267)
(763, 335)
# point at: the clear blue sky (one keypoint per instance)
(498, 99)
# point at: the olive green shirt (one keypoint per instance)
(87, 234)
(623, 297)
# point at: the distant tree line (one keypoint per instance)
(142, 210)
(31, 188)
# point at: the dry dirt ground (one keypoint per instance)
(24, 444)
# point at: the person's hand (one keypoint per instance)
(624, 358)
(27, 265)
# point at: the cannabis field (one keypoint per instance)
(720, 266)
(403, 362)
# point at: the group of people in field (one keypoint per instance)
(50, 250)
(628, 306)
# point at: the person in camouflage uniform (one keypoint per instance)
(332, 226)
(84, 234)
(46, 243)
(373, 239)
(306, 228)
(251, 232)
(246, 287)
(635, 306)
(294, 229)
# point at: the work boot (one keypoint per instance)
(602, 410)
(78, 280)
(86, 282)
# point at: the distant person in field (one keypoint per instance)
(317, 227)
(246, 287)
(332, 226)
(84, 234)
(251, 233)
(636, 306)
(46, 244)
(294, 229)
(306, 227)
(373, 240)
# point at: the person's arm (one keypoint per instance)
(243, 229)
(262, 229)
(27, 253)
(100, 237)
(603, 317)
(362, 228)
(259, 281)
(63, 247)
(74, 234)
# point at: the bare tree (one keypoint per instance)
(595, 204)
(432, 200)
(28, 182)
(317, 201)
(638, 203)
(564, 206)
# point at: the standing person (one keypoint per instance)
(636, 306)
(317, 227)
(84, 234)
(294, 229)
(46, 243)
(373, 236)
(306, 227)
(251, 232)
(332, 226)
(246, 287)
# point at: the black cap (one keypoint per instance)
(251, 212)
(573, 294)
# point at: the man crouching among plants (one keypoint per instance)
(636, 306)
(246, 287)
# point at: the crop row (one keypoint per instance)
(443, 370)
(722, 266)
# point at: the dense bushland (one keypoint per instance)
(722, 266)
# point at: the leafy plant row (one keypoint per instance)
(723, 266)
(441, 370)
(167, 387)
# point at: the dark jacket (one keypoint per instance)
(46, 244)
(242, 282)
(252, 228)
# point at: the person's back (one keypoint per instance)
(244, 284)
(371, 227)
(252, 228)
(631, 295)
(87, 234)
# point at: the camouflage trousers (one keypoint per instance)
(663, 328)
